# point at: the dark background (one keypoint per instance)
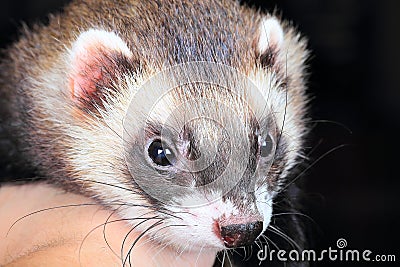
(352, 192)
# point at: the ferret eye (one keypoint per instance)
(266, 147)
(159, 154)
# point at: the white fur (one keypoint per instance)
(264, 205)
(201, 219)
(92, 37)
(271, 34)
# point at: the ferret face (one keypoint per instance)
(202, 148)
(203, 152)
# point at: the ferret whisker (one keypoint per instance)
(103, 183)
(284, 206)
(155, 232)
(49, 209)
(128, 219)
(269, 240)
(251, 247)
(265, 241)
(227, 256)
(160, 247)
(182, 249)
(218, 257)
(294, 213)
(131, 230)
(104, 231)
(313, 149)
(198, 255)
(258, 243)
(115, 132)
(180, 212)
(128, 256)
(170, 213)
(164, 211)
(275, 230)
(158, 238)
(285, 111)
(104, 225)
(245, 251)
(335, 123)
(298, 176)
(314, 163)
(259, 193)
(250, 253)
(267, 99)
(223, 259)
(126, 131)
(236, 251)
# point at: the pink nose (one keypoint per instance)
(237, 235)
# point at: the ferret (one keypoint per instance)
(190, 111)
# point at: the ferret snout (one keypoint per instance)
(239, 234)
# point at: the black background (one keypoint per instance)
(352, 192)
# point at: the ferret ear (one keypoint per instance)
(269, 41)
(97, 59)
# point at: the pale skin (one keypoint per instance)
(55, 237)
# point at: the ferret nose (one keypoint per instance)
(237, 235)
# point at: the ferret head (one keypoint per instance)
(193, 154)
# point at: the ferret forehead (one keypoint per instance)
(190, 126)
(188, 105)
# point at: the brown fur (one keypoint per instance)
(79, 147)
(159, 33)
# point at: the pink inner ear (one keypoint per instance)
(87, 71)
(83, 85)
